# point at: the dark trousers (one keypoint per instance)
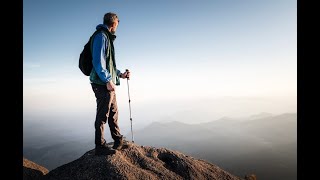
(107, 111)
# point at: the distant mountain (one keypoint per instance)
(140, 162)
(56, 154)
(266, 146)
(261, 115)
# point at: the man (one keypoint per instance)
(103, 78)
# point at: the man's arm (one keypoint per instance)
(98, 57)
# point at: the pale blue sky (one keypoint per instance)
(175, 49)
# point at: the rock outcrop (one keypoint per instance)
(139, 162)
(32, 170)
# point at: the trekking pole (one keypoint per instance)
(129, 106)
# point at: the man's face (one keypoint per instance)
(114, 26)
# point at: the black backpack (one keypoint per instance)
(85, 59)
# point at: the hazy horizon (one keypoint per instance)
(189, 111)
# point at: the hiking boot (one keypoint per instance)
(104, 149)
(118, 143)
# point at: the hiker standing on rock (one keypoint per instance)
(104, 78)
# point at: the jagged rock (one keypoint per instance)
(33, 171)
(139, 162)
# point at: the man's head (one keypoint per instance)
(111, 20)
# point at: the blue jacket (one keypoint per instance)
(101, 59)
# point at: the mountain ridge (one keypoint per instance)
(263, 145)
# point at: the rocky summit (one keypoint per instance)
(139, 162)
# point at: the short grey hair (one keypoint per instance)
(109, 18)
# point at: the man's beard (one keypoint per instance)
(113, 32)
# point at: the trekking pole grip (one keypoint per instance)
(127, 70)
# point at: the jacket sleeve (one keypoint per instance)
(99, 47)
(118, 72)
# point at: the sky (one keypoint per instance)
(181, 54)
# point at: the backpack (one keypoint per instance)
(85, 59)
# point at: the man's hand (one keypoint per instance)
(125, 74)
(111, 86)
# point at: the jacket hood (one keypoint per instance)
(105, 28)
(102, 26)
